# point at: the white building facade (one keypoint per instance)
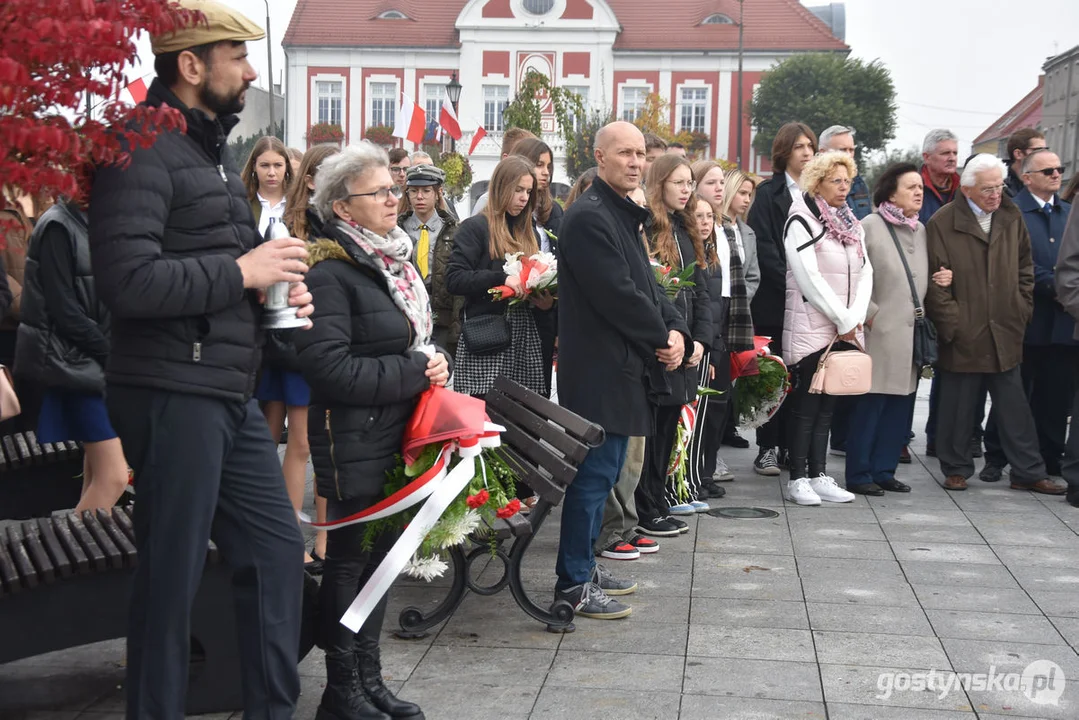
(349, 61)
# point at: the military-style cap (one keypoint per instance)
(421, 175)
(221, 23)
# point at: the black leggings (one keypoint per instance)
(809, 419)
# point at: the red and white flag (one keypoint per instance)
(411, 121)
(480, 133)
(135, 91)
(447, 120)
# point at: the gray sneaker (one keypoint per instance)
(589, 601)
(610, 584)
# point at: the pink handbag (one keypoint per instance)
(846, 372)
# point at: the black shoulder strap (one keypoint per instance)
(918, 312)
(812, 240)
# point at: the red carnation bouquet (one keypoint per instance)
(537, 273)
(673, 282)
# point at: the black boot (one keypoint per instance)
(343, 698)
(372, 684)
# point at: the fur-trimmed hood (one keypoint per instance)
(327, 249)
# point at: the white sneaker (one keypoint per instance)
(826, 488)
(722, 473)
(800, 492)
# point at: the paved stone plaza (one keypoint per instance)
(791, 617)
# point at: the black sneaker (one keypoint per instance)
(976, 447)
(734, 440)
(766, 463)
(991, 473)
(588, 600)
(783, 459)
(611, 585)
(620, 550)
(1073, 497)
(658, 527)
(682, 527)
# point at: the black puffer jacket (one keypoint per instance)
(364, 380)
(165, 233)
(63, 338)
(694, 306)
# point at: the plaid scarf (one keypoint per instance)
(740, 321)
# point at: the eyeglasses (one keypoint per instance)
(838, 182)
(991, 191)
(1032, 150)
(688, 184)
(379, 195)
(421, 190)
(398, 169)
(1048, 172)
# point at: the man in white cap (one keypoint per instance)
(178, 261)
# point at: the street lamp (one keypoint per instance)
(269, 63)
(741, 112)
(453, 93)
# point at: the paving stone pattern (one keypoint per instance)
(796, 616)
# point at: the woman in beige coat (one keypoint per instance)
(880, 419)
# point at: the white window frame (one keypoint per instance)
(635, 86)
(395, 100)
(585, 91)
(342, 83)
(693, 105)
(499, 96)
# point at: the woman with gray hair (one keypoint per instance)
(829, 285)
(367, 359)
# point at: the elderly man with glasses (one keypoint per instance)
(1050, 351)
(981, 320)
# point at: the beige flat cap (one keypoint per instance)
(220, 23)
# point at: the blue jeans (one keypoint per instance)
(876, 436)
(582, 510)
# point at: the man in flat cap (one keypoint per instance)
(177, 260)
(424, 216)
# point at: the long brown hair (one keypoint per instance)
(521, 237)
(265, 144)
(710, 240)
(700, 169)
(583, 183)
(664, 243)
(298, 196)
(534, 149)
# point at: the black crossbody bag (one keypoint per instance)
(925, 333)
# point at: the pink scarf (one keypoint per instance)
(891, 212)
(840, 223)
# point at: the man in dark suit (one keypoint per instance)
(617, 334)
(1049, 350)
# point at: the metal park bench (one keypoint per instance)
(38, 478)
(544, 444)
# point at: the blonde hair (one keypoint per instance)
(821, 166)
(734, 180)
(521, 237)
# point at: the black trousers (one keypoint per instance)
(1069, 466)
(1047, 380)
(650, 495)
(960, 397)
(348, 567)
(713, 415)
(775, 432)
(207, 468)
(810, 419)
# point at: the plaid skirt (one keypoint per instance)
(521, 362)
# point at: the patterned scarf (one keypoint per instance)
(740, 321)
(840, 223)
(891, 212)
(391, 254)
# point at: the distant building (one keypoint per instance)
(1060, 108)
(1027, 113)
(255, 118)
(349, 61)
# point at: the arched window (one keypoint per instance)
(538, 7)
(393, 15)
(717, 19)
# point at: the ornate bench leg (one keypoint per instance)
(414, 623)
(559, 618)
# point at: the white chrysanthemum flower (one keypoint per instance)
(425, 568)
(458, 529)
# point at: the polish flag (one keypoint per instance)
(447, 119)
(479, 135)
(411, 121)
(136, 91)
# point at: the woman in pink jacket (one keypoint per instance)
(829, 285)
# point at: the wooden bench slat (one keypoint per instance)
(82, 535)
(112, 553)
(27, 571)
(527, 473)
(119, 539)
(537, 426)
(589, 432)
(122, 515)
(72, 547)
(562, 471)
(9, 450)
(54, 547)
(9, 576)
(23, 449)
(36, 550)
(35, 447)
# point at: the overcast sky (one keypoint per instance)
(958, 64)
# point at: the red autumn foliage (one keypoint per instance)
(51, 55)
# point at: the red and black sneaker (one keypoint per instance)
(644, 545)
(619, 550)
